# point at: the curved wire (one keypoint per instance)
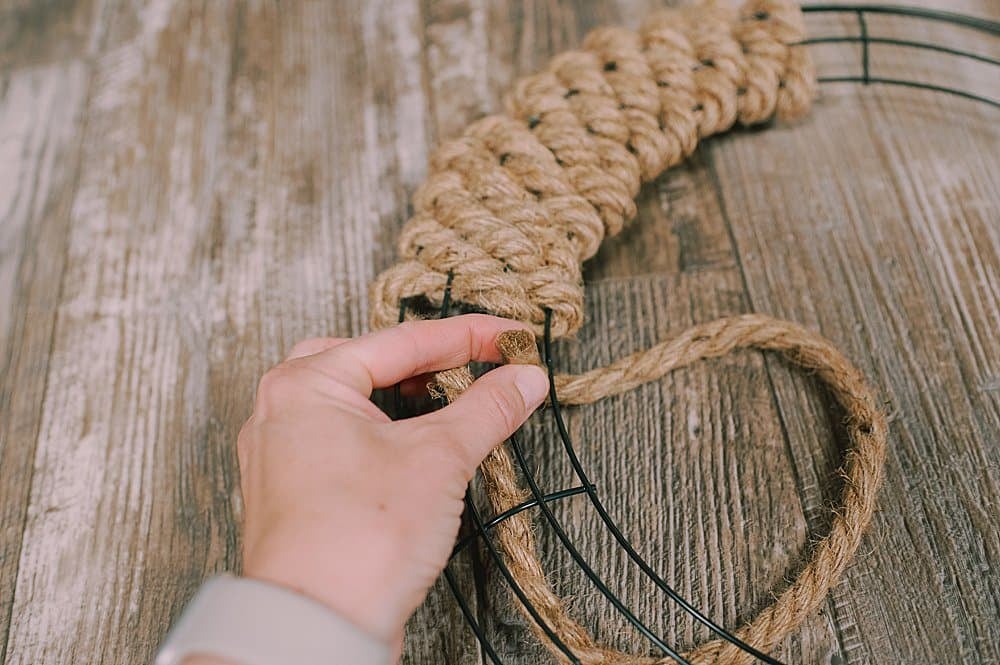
(898, 42)
(610, 523)
(910, 84)
(964, 20)
(470, 619)
(866, 40)
(470, 509)
(510, 512)
(581, 562)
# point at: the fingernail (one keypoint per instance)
(532, 382)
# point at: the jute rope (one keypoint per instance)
(512, 209)
(866, 429)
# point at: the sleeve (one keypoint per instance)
(250, 622)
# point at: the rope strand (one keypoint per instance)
(862, 472)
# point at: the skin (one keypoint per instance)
(355, 510)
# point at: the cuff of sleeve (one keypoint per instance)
(250, 622)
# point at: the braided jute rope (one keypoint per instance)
(511, 210)
(513, 207)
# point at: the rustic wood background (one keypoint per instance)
(187, 188)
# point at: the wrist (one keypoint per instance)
(358, 596)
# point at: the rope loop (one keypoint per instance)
(867, 432)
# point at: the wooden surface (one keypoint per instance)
(186, 189)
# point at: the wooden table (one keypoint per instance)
(189, 188)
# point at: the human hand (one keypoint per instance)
(353, 509)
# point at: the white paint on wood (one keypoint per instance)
(38, 120)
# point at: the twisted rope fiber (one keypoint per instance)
(862, 473)
(512, 209)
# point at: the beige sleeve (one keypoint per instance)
(239, 621)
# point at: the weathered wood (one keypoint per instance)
(190, 188)
(900, 265)
(39, 125)
(122, 482)
(34, 34)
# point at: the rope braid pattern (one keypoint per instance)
(512, 209)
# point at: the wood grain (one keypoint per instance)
(189, 188)
(40, 121)
(899, 261)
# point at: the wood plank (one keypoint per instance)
(461, 81)
(39, 158)
(329, 191)
(277, 242)
(896, 261)
(327, 139)
(34, 34)
(123, 484)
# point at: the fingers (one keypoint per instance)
(386, 357)
(309, 347)
(397, 648)
(487, 413)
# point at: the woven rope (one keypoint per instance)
(514, 206)
(512, 209)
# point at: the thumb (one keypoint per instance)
(492, 409)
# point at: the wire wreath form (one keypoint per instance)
(512, 209)
(866, 430)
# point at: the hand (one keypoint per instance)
(355, 510)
